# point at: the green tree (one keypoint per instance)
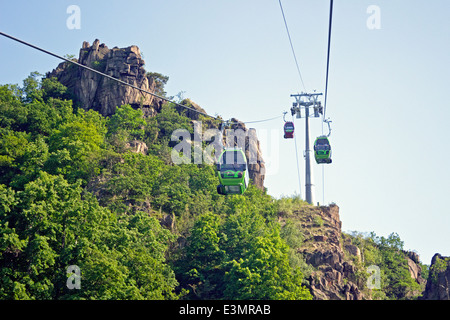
(30, 163)
(241, 229)
(396, 278)
(201, 265)
(75, 147)
(168, 120)
(12, 111)
(171, 190)
(159, 81)
(52, 224)
(130, 181)
(31, 87)
(241, 258)
(44, 117)
(127, 123)
(12, 150)
(53, 89)
(37, 107)
(265, 273)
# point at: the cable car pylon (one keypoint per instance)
(305, 101)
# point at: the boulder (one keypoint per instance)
(137, 146)
(353, 250)
(320, 238)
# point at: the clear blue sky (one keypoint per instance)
(387, 89)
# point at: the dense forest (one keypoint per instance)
(74, 192)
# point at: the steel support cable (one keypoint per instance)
(265, 120)
(304, 88)
(328, 60)
(330, 23)
(292, 47)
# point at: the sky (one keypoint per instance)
(387, 90)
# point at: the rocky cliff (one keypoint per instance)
(256, 165)
(334, 274)
(338, 270)
(92, 91)
(438, 284)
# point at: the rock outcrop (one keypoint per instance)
(333, 278)
(194, 110)
(92, 91)
(333, 275)
(338, 269)
(414, 267)
(438, 284)
(137, 146)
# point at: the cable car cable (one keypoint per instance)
(328, 60)
(298, 167)
(301, 80)
(123, 82)
(265, 120)
(330, 24)
(292, 47)
(104, 75)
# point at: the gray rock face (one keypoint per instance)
(326, 253)
(92, 91)
(250, 144)
(438, 284)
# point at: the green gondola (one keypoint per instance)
(322, 150)
(232, 172)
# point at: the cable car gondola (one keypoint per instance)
(232, 172)
(288, 130)
(322, 150)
